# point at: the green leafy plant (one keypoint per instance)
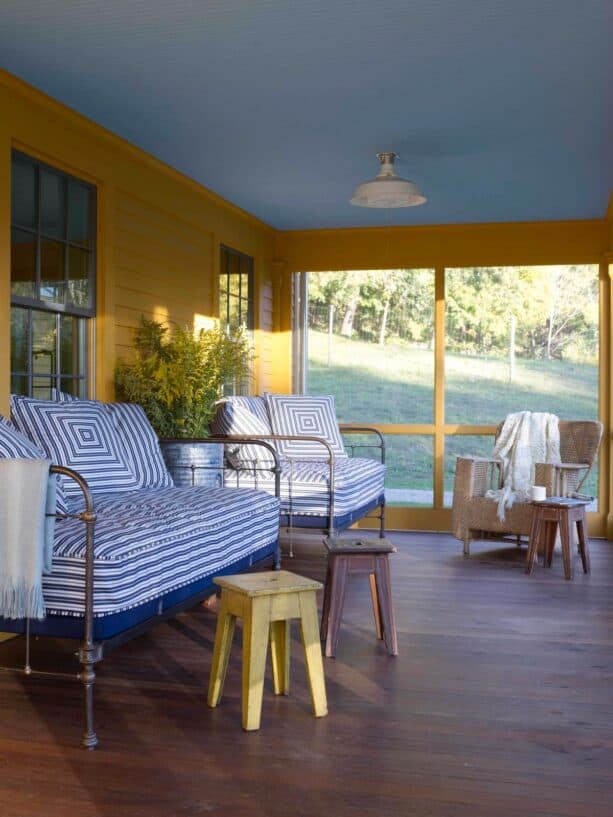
(178, 375)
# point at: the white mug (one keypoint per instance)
(538, 493)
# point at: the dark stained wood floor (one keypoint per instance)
(500, 704)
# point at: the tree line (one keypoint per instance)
(544, 312)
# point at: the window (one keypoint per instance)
(52, 278)
(436, 358)
(236, 290)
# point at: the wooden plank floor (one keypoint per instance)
(500, 704)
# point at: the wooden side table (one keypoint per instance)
(346, 556)
(546, 517)
(266, 602)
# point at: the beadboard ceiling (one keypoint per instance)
(501, 110)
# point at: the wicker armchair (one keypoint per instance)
(475, 517)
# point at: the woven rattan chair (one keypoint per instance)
(475, 517)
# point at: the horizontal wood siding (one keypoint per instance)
(163, 268)
(158, 232)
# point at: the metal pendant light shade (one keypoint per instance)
(387, 189)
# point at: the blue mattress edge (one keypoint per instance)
(109, 626)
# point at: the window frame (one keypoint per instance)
(225, 255)
(41, 303)
(84, 316)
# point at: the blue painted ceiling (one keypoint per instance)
(501, 110)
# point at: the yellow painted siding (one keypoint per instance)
(158, 232)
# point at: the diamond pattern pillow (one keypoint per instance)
(79, 435)
(139, 440)
(13, 444)
(305, 415)
(234, 416)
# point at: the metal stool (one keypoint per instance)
(369, 556)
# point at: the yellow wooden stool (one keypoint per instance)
(266, 602)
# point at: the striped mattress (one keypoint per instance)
(304, 485)
(152, 541)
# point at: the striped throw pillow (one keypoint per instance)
(138, 437)
(141, 444)
(232, 417)
(305, 415)
(14, 445)
(80, 435)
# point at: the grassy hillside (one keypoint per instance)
(394, 384)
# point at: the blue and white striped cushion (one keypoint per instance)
(232, 417)
(305, 486)
(14, 444)
(138, 437)
(156, 540)
(80, 435)
(141, 444)
(305, 415)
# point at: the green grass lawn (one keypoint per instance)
(395, 384)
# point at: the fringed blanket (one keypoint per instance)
(27, 495)
(525, 439)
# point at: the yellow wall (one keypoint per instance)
(158, 232)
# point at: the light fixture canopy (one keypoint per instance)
(387, 189)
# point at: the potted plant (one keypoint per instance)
(176, 376)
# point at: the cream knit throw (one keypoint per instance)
(27, 498)
(525, 439)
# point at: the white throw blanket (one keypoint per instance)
(27, 495)
(525, 439)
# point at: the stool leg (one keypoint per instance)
(338, 582)
(325, 610)
(255, 644)
(376, 605)
(551, 533)
(221, 652)
(535, 531)
(312, 652)
(583, 546)
(566, 537)
(384, 586)
(279, 653)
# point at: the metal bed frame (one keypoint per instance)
(90, 650)
(328, 527)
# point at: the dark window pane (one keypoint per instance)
(72, 345)
(23, 263)
(74, 386)
(234, 265)
(41, 388)
(19, 384)
(19, 339)
(79, 213)
(79, 290)
(43, 343)
(52, 271)
(23, 194)
(53, 204)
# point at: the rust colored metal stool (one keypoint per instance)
(370, 556)
(547, 515)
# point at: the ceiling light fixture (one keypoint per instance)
(387, 189)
